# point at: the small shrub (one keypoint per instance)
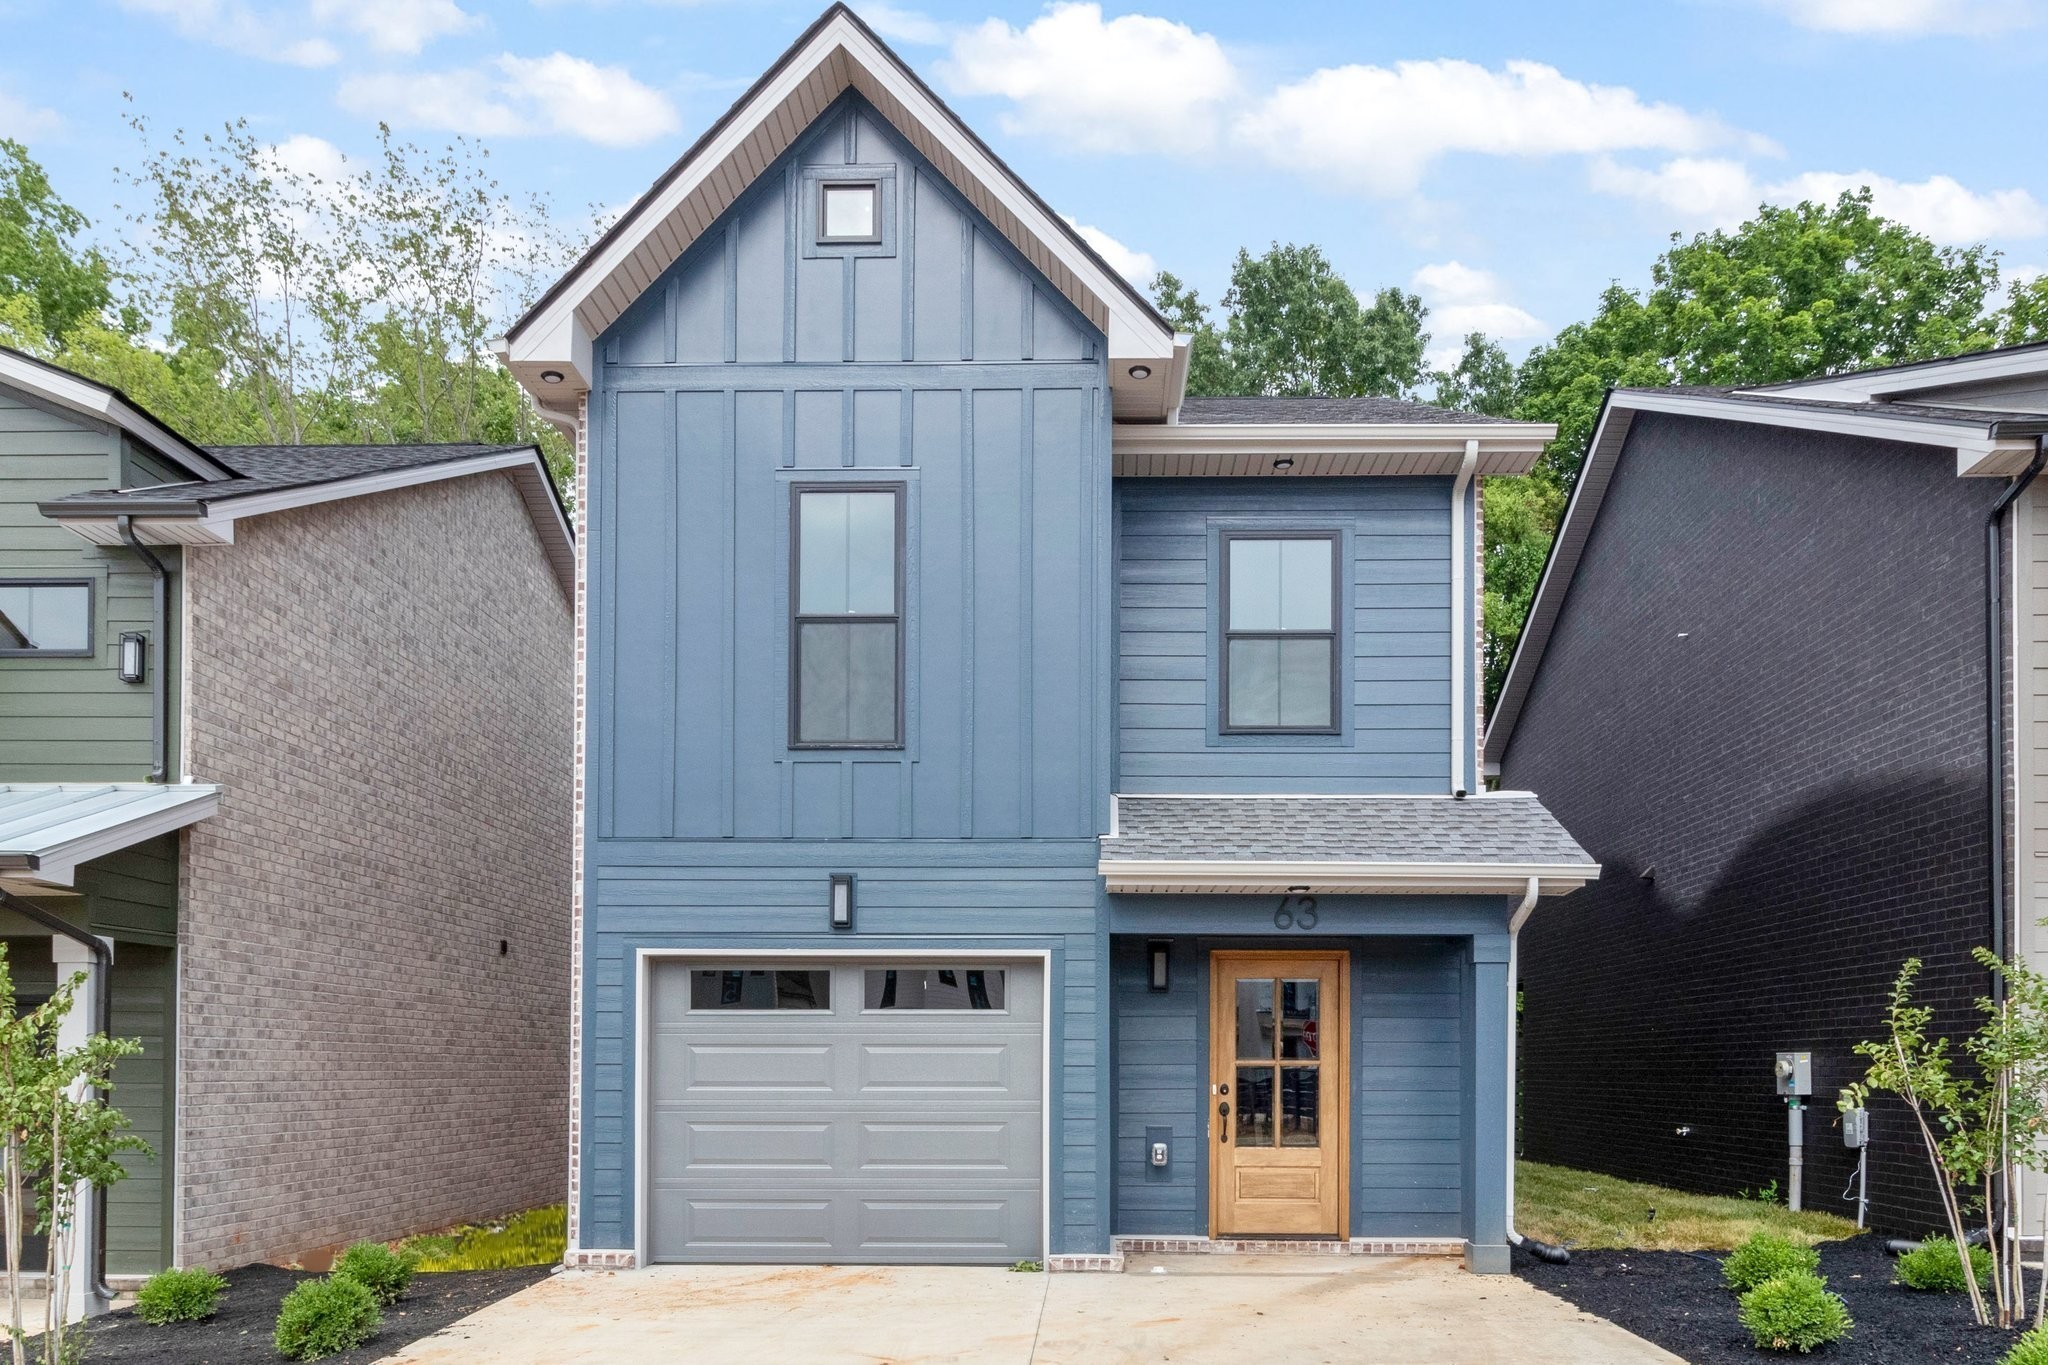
(1762, 1194)
(1933, 1266)
(189, 1295)
(535, 1237)
(2031, 1349)
(378, 1268)
(323, 1317)
(1794, 1312)
(1765, 1256)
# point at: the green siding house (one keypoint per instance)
(239, 704)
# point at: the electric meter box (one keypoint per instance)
(1795, 1073)
(1855, 1128)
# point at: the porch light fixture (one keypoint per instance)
(1140, 371)
(842, 900)
(550, 376)
(134, 657)
(1157, 955)
(1284, 462)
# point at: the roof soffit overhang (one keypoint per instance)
(1235, 449)
(1987, 449)
(212, 521)
(105, 408)
(837, 54)
(1246, 877)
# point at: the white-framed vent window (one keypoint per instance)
(849, 211)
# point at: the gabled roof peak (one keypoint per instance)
(836, 54)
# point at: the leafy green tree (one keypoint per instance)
(41, 257)
(1481, 380)
(1209, 371)
(1295, 327)
(2024, 319)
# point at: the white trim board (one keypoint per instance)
(213, 520)
(837, 54)
(80, 395)
(1248, 876)
(1893, 381)
(644, 958)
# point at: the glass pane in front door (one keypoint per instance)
(1255, 1020)
(1300, 1006)
(1255, 1106)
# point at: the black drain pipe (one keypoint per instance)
(159, 681)
(1994, 671)
(103, 1024)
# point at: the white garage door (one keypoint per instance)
(855, 1112)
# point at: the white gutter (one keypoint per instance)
(1515, 923)
(1460, 552)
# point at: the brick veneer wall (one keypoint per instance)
(1767, 685)
(382, 685)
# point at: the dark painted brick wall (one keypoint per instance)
(1767, 685)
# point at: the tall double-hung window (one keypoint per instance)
(846, 627)
(1280, 604)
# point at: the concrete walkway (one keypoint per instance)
(1397, 1311)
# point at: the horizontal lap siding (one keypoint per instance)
(1407, 1074)
(1395, 636)
(73, 720)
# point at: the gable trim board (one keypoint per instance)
(102, 404)
(1865, 385)
(836, 54)
(210, 519)
(1987, 446)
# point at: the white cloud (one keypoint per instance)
(1131, 84)
(1906, 18)
(310, 157)
(1721, 193)
(905, 25)
(1378, 128)
(227, 23)
(1136, 266)
(403, 26)
(1464, 299)
(519, 96)
(21, 120)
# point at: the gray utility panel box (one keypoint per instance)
(1855, 1127)
(1795, 1073)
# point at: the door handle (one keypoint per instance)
(1223, 1110)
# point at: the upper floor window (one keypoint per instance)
(46, 617)
(847, 619)
(850, 211)
(1280, 601)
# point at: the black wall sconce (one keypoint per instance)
(133, 661)
(842, 900)
(1158, 964)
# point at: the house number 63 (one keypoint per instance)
(1295, 912)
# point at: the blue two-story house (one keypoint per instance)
(1021, 810)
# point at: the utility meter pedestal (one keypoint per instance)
(1795, 1082)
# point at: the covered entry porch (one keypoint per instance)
(1312, 1031)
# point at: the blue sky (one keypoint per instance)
(1505, 160)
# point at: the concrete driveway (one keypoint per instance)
(1395, 1311)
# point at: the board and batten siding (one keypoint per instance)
(937, 359)
(2029, 742)
(1409, 1079)
(74, 720)
(1394, 641)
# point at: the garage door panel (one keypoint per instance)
(993, 1147)
(851, 1133)
(743, 1066)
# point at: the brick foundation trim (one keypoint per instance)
(1265, 1246)
(598, 1258)
(1086, 1263)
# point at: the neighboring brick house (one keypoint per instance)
(349, 960)
(1754, 683)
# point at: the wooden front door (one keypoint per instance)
(1278, 1095)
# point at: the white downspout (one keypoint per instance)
(1515, 923)
(1461, 628)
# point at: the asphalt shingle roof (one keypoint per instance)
(270, 469)
(1500, 828)
(1231, 411)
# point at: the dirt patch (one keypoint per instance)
(1676, 1299)
(239, 1334)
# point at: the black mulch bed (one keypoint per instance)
(1677, 1300)
(239, 1334)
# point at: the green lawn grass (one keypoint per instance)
(536, 1237)
(1585, 1209)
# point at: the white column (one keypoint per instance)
(73, 1030)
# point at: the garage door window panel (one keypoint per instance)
(936, 989)
(758, 988)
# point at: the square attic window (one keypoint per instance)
(850, 211)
